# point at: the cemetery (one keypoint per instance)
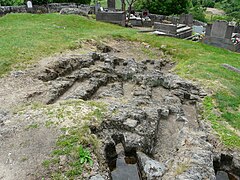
(103, 93)
(179, 27)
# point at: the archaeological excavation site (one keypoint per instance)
(134, 117)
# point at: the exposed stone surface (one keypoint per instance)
(97, 177)
(149, 110)
(152, 169)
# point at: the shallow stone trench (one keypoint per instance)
(153, 114)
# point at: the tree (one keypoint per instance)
(130, 4)
(198, 13)
(40, 2)
(164, 7)
(10, 2)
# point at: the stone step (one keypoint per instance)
(181, 26)
(185, 34)
(183, 29)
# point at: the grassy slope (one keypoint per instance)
(24, 38)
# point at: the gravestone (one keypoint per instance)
(111, 4)
(219, 29)
(208, 29)
(174, 20)
(237, 29)
(219, 34)
(229, 32)
(97, 7)
(29, 5)
(186, 19)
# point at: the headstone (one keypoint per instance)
(111, 4)
(208, 30)
(219, 29)
(29, 4)
(229, 32)
(186, 19)
(237, 29)
(174, 20)
(97, 7)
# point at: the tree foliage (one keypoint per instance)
(198, 13)
(41, 2)
(72, 1)
(231, 7)
(204, 3)
(165, 7)
(11, 2)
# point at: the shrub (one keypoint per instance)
(198, 13)
(164, 7)
(10, 2)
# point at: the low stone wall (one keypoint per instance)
(12, 9)
(50, 8)
(118, 17)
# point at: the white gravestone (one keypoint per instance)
(29, 4)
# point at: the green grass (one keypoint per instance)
(25, 38)
(228, 136)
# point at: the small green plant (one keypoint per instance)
(77, 144)
(85, 156)
(46, 163)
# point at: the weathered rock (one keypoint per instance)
(181, 118)
(141, 99)
(131, 123)
(96, 177)
(151, 169)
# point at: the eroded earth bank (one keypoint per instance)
(141, 121)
